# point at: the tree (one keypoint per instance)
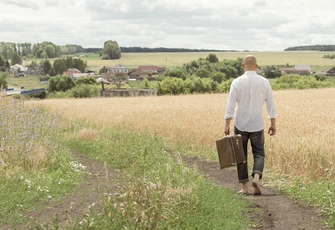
(203, 73)
(2, 61)
(3, 80)
(59, 67)
(7, 65)
(86, 81)
(46, 65)
(50, 51)
(46, 50)
(218, 77)
(60, 83)
(111, 50)
(212, 58)
(16, 59)
(171, 85)
(176, 72)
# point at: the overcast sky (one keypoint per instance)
(262, 25)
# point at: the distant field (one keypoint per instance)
(133, 60)
(177, 59)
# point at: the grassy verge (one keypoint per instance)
(34, 165)
(159, 192)
(320, 194)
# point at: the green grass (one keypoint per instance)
(28, 82)
(320, 194)
(159, 192)
(34, 165)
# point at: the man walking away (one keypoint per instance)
(249, 92)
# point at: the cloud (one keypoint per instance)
(213, 24)
(52, 2)
(32, 4)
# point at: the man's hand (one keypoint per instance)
(226, 127)
(272, 130)
(227, 130)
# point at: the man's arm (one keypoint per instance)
(227, 126)
(272, 128)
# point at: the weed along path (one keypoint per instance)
(88, 198)
(276, 211)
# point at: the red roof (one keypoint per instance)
(148, 67)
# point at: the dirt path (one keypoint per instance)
(278, 212)
(99, 180)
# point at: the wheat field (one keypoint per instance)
(303, 146)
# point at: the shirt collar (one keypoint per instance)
(249, 72)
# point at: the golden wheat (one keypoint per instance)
(303, 146)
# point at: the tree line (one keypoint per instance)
(312, 48)
(162, 50)
(16, 52)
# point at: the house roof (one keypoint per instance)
(303, 67)
(119, 66)
(72, 70)
(288, 69)
(79, 75)
(148, 67)
(18, 67)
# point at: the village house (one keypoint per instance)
(147, 71)
(297, 69)
(303, 68)
(75, 73)
(18, 70)
(118, 69)
(151, 69)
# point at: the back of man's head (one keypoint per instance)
(249, 63)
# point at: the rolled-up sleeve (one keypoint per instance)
(231, 103)
(270, 104)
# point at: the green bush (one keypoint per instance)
(3, 80)
(295, 81)
(60, 94)
(193, 84)
(224, 87)
(86, 81)
(189, 85)
(60, 83)
(203, 85)
(171, 85)
(84, 91)
(177, 72)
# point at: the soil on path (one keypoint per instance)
(276, 211)
(99, 181)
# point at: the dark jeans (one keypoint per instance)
(257, 146)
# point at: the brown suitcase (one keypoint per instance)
(230, 151)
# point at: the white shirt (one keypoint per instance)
(250, 91)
